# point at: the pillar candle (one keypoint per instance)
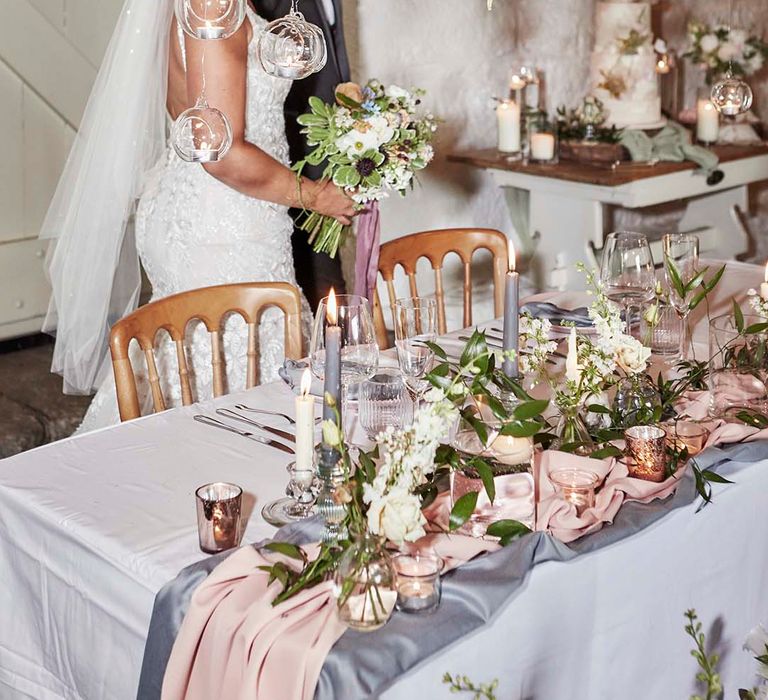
(542, 146)
(707, 121)
(332, 359)
(305, 424)
(572, 360)
(511, 367)
(764, 285)
(508, 117)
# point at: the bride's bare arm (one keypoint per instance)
(246, 167)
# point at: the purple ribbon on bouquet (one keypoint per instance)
(367, 254)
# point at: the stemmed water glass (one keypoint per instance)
(359, 350)
(627, 273)
(415, 326)
(681, 261)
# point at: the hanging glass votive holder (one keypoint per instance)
(542, 141)
(210, 19)
(292, 48)
(201, 134)
(731, 96)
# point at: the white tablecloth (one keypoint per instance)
(92, 527)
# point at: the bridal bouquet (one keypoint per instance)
(373, 141)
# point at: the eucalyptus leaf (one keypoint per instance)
(462, 510)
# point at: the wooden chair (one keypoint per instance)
(435, 245)
(209, 305)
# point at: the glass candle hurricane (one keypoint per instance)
(646, 452)
(417, 578)
(576, 486)
(542, 141)
(219, 509)
(686, 434)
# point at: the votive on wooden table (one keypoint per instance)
(576, 486)
(646, 452)
(419, 588)
(219, 509)
(686, 434)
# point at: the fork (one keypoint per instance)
(243, 407)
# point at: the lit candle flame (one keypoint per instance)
(512, 258)
(332, 313)
(306, 382)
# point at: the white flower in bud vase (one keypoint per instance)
(331, 433)
(709, 42)
(631, 355)
(398, 517)
(651, 315)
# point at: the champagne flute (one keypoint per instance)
(681, 250)
(359, 351)
(627, 273)
(415, 325)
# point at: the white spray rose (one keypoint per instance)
(727, 52)
(631, 355)
(397, 516)
(709, 42)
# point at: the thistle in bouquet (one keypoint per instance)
(372, 142)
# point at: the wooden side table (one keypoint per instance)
(566, 203)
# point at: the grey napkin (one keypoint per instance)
(671, 143)
(544, 309)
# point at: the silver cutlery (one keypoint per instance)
(207, 420)
(228, 413)
(243, 407)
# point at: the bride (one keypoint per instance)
(195, 225)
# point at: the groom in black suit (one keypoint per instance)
(315, 272)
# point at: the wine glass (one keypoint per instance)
(359, 351)
(415, 325)
(627, 273)
(682, 251)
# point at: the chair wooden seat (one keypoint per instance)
(435, 245)
(209, 305)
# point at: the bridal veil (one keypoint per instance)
(92, 262)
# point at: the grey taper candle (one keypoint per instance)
(332, 359)
(511, 367)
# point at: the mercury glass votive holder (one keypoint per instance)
(576, 486)
(686, 434)
(646, 449)
(417, 579)
(219, 513)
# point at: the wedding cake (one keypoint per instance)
(623, 70)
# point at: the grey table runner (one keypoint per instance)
(362, 665)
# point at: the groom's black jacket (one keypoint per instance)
(315, 273)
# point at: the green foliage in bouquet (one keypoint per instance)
(720, 48)
(371, 142)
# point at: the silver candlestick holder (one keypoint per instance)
(329, 506)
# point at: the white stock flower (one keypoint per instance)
(631, 355)
(397, 516)
(709, 42)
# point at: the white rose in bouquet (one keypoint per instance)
(631, 355)
(397, 516)
(709, 42)
(728, 52)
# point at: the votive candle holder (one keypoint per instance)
(576, 486)
(418, 583)
(646, 450)
(686, 434)
(219, 513)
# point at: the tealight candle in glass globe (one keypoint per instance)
(292, 48)
(201, 134)
(210, 19)
(731, 96)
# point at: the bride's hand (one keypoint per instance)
(330, 200)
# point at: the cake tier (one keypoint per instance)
(635, 114)
(615, 20)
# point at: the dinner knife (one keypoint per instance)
(207, 420)
(228, 413)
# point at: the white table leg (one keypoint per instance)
(718, 212)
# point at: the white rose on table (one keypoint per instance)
(709, 42)
(631, 355)
(728, 51)
(397, 516)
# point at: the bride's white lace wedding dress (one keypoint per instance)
(194, 231)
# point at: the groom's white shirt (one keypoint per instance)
(330, 12)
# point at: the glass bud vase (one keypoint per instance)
(364, 584)
(637, 400)
(572, 430)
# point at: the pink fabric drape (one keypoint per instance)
(367, 253)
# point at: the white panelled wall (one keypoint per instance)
(50, 51)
